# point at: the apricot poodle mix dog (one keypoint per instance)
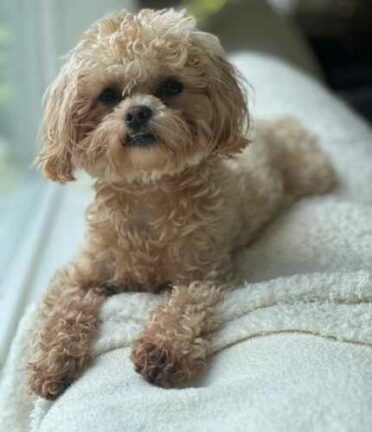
(152, 110)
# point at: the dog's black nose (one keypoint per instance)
(137, 116)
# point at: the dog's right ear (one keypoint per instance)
(231, 117)
(58, 132)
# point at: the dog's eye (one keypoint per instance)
(171, 87)
(110, 97)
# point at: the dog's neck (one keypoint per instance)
(132, 198)
(201, 173)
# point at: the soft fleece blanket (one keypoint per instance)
(295, 351)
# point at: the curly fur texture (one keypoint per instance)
(167, 214)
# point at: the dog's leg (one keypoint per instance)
(175, 345)
(68, 325)
(305, 169)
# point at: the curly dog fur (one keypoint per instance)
(178, 189)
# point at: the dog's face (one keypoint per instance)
(139, 97)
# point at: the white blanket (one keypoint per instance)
(295, 353)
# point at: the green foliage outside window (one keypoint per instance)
(202, 9)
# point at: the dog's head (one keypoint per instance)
(139, 97)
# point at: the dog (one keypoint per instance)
(150, 107)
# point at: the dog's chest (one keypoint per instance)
(154, 234)
(152, 221)
(139, 222)
(161, 236)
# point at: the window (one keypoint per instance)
(33, 36)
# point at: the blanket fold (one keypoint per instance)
(336, 307)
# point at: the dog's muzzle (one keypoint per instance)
(136, 120)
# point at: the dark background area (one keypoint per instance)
(342, 41)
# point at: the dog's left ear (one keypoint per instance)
(230, 118)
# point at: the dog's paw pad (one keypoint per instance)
(157, 365)
(46, 384)
(49, 389)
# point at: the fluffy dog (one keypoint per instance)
(152, 110)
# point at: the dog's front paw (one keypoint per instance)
(46, 384)
(158, 365)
